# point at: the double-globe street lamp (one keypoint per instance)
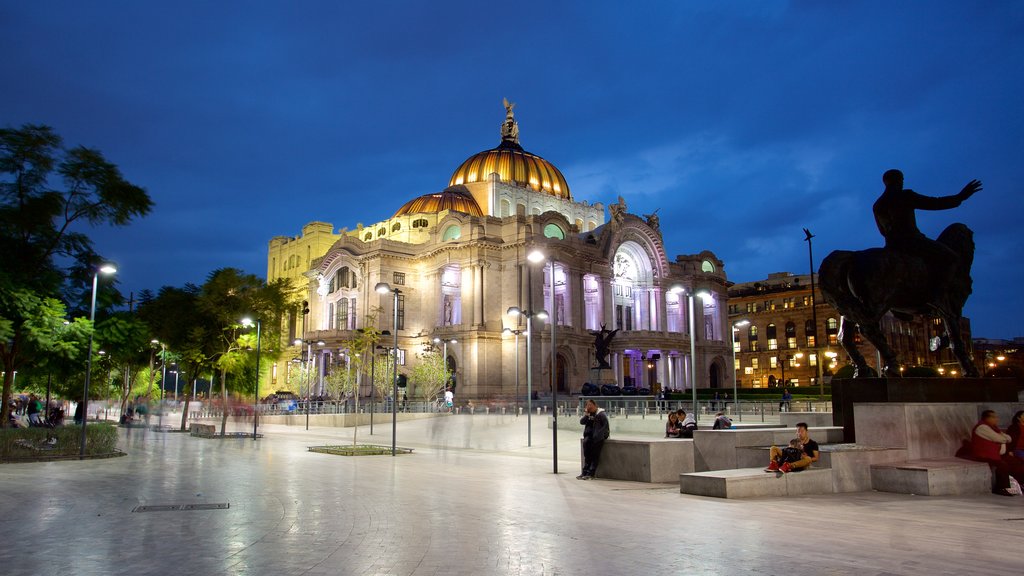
(256, 401)
(690, 297)
(104, 269)
(310, 367)
(735, 388)
(385, 288)
(538, 257)
(516, 332)
(444, 342)
(515, 312)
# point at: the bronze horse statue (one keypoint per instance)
(911, 275)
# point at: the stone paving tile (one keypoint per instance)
(471, 499)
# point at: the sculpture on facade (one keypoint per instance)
(653, 221)
(602, 346)
(618, 211)
(912, 274)
(509, 128)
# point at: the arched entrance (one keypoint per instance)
(715, 376)
(452, 366)
(562, 374)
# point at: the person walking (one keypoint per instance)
(595, 432)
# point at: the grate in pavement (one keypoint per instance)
(177, 507)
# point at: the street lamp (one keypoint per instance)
(310, 366)
(256, 400)
(444, 357)
(538, 257)
(516, 332)
(384, 288)
(679, 289)
(104, 269)
(814, 316)
(735, 388)
(514, 311)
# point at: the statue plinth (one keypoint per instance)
(601, 376)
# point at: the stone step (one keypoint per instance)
(932, 477)
(756, 483)
(716, 449)
(850, 463)
(640, 459)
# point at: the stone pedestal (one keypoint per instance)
(846, 392)
(601, 376)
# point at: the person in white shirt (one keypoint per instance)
(449, 399)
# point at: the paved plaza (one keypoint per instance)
(471, 499)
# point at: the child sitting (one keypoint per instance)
(790, 454)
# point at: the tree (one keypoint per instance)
(361, 346)
(46, 193)
(126, 338)
(430, 375)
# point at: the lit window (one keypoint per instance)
(707, 266)
(453, 232)
(554, 231)
(398, 279)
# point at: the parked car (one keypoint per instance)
(610, 390)
(590, 390)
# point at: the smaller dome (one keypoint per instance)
(449, 199)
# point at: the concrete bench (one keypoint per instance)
(202, 429)
(932, 477)
(791, 419)
(755, 482)
(644, 459)
(850, 463)
(717, 449)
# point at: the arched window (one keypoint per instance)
(506, 208)
(832, 331)
(420, 223)
(810, 334)
(773, 340)
(368, 236)
(396, 226)
(381, 231)
(790, 335)
(453, 232)
(707, 266)
(554, 231)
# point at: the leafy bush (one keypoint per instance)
(30, 443)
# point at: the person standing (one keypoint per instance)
(595, 432)
(449, 399)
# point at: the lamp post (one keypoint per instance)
(690, 297)
(256, 400)
(105, 269)
(735, 388)
(538, 257)
(163, 380)
(384, 288)
(516, 332)
(814, 317)
(444, 357)
(310, 366)
(516, 312)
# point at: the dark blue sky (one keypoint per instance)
(742, 121)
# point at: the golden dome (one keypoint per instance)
(455, 200)
(512, 164)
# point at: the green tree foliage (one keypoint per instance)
(430, 375)
(47, 195)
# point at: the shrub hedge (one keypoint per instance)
(30, 443)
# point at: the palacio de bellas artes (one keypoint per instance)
(507, 245)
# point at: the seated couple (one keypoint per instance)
(1000, 450)
(801, 453)
(680, 425)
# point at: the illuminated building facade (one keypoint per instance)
(779, 342)
(458, 256)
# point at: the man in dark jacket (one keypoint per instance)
(595, 432)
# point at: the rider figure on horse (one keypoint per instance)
(894, 215)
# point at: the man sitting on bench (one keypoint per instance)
(810, 448)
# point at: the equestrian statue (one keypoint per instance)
(912, 274)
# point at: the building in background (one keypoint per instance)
(999, 358)
(778, 343)
(459, 258)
